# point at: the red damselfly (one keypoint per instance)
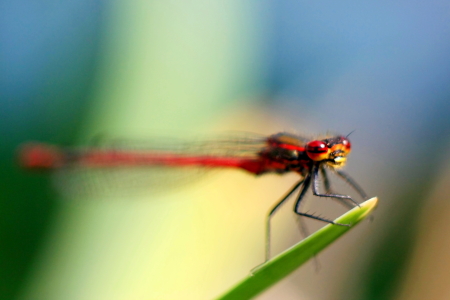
(280, 153)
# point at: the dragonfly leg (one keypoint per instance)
(305, 187)
(315, 188)
(352, 183)
(326, 181)
(327, 185)
(272, 212)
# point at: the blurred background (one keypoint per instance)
(73, 70)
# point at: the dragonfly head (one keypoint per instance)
(332, 151)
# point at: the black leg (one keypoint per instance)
(306, 184)
(326, 181)
(315, 188)
(303, 229)
(272, 212)
(302, 226)
(327, 185)
(305, 187)
(302, 193)
(352, 183)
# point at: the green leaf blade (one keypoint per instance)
(283, 264)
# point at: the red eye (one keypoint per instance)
(317, 150)
(346, 143)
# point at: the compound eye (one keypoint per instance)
(346, 143)
(317, 150)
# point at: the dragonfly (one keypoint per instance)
(280, 153)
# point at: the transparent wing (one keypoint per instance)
(79, 180)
